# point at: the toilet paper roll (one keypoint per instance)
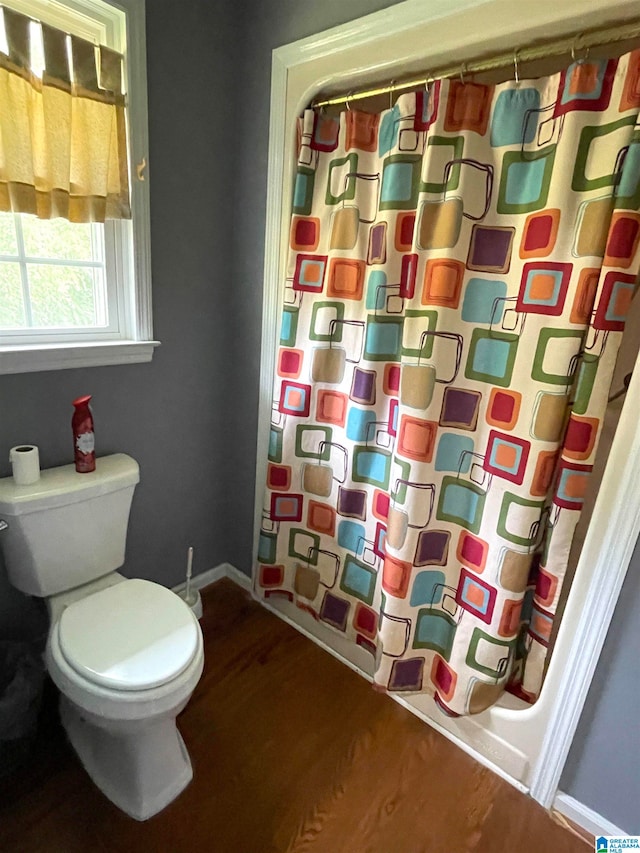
(25, 462)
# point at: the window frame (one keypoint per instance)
(106, 22)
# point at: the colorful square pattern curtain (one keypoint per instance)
(460, 270)
(63, 147)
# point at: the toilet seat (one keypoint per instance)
(132, 636)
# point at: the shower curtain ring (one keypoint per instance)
(392, 84)
(463, 71)
(575, 46)
(348, 101)
(516, 75)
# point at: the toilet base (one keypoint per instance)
(141, 769)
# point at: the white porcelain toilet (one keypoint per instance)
(126, 655)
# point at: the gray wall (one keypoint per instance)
(190, 417)
(603, 769)
(176, 415)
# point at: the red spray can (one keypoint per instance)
(83, 437)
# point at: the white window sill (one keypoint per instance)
(36, 357)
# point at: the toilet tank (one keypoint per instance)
(68, 528)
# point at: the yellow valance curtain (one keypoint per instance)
(63, 150)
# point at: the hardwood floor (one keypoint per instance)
(292, 751)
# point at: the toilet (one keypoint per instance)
(126, 654)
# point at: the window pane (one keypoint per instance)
(8, 245)
(57, 238)
(61, 296)
(11, 305)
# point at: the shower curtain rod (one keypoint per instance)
(582, 42)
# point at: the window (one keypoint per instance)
(54, 279)
(79, 294)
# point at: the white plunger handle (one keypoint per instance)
(189, 564)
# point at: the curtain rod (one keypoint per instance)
(581, 42)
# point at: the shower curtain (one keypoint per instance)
(459, 272)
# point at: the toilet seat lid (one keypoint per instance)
(131, 636)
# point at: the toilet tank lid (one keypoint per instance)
(131, 636)
(63, 485)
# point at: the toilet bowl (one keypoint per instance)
(119, 705)
(126, 654)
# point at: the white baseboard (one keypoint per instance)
(224, 570)
(584, 817)
(237, 576)
(204, 578)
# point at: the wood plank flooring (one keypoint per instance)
(292, 752)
